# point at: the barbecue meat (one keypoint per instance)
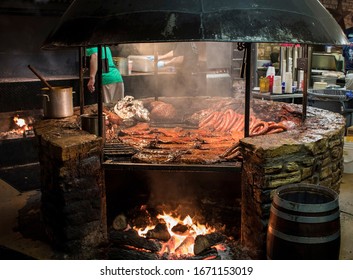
(162, 111)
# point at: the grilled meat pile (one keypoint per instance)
(207, 136)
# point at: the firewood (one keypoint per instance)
(208, 254)
(131, 238)
(160, 232)
(183, 247)
(120, 222)
(201, 244)
(180, 229)
(126, 254)
(204, 242)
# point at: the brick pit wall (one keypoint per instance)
(72, 186)
(310, 154)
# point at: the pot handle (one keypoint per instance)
(44, 95)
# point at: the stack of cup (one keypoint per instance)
(288, 82)
(277, 85)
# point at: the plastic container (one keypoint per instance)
(348, 156)
(264, 84)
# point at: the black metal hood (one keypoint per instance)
(110, 22)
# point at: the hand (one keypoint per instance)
(150, 57)
(90, 85)
(160, 64)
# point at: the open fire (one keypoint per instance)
(179, 234)
(170, 236)
(18, 127)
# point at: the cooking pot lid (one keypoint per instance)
(92, 22)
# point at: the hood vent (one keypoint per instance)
(110, 22)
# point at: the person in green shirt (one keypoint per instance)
(112, 81)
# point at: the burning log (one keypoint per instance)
(180, 229)
(183, 248)
(160, 232)
(204, 242)
(131, 238)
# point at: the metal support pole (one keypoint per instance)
(247, 89)
(100, 90)
(303, 65)
(82, 53)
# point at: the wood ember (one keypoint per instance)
(131, 238)
(160, 232)
(209, 254)
(126, 254)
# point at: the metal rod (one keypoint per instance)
(40, 77)
(305, 85)
(155, 72)
(82, 53)
(247, 89)
(100, 89)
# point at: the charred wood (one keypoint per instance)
(180, 229)
(131, 238)
(160, 232)
(204, 242)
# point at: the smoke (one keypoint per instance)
(190, 78)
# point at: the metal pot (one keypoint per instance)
(89, 123)
(57, 102)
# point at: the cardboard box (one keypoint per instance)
(141, 63)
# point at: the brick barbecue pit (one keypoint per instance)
(74, 196)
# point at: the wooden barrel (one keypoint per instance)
(304, 224)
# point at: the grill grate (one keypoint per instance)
(117, 149)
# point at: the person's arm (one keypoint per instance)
(174, 61)
(92, 72)
(166, 56)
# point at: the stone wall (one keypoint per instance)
(311, 154)
(72, 185)
(341, 10)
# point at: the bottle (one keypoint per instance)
(270, 74)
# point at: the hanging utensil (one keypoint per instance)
(40, 77)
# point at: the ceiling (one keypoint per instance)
(34, 7)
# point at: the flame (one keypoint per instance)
(179, 244)
(21, 123)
